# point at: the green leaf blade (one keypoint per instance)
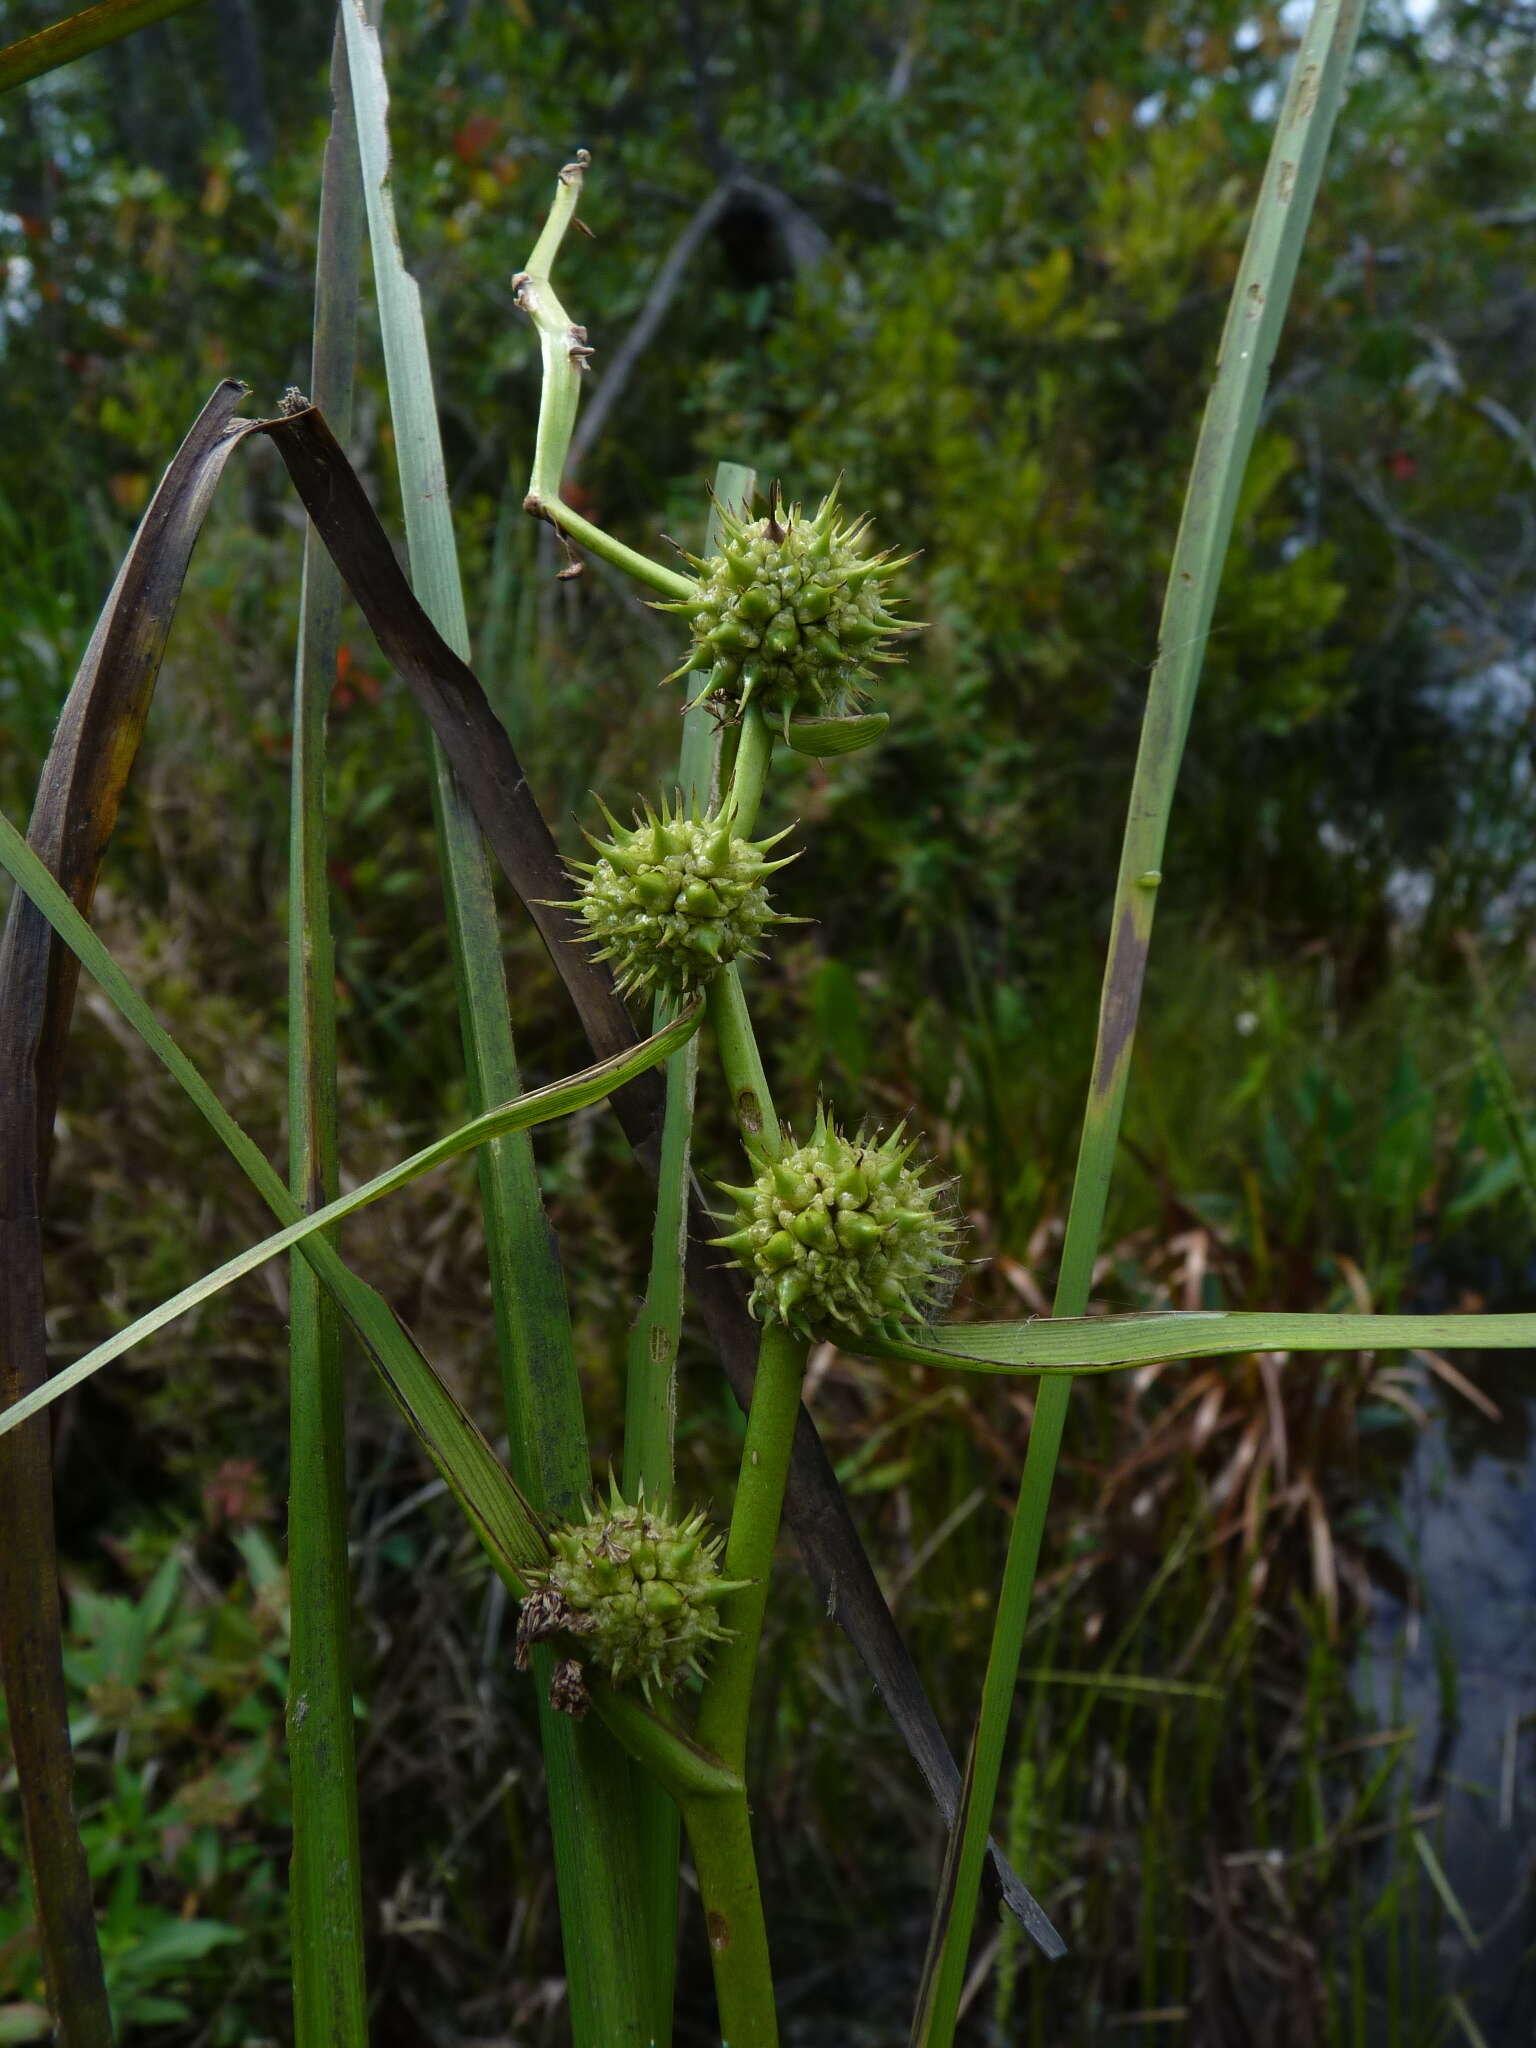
(330, 1999)
(1255, 317)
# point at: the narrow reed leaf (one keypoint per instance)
(1064, 1344)
(79, 34)
(1255, 317)
(478, 745)
(325, 1891)
(508, 1527)
(1424, 1850)
(615, 1993)
(1456, 2006)
(541, 1105)
(78, 798)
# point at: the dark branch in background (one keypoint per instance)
(804, 245)
(244, 91)
(1462, 579)
(482, 756)
(610, 384)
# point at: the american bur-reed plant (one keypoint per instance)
(641, 1616)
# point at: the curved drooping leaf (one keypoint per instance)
(78, 797)
(539, 1106)
(507, 1526)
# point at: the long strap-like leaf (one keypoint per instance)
(325, 1883)
(526, 1113)
(1252, 332)
(82, 786)
(619, 1998)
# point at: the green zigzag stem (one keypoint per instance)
(563, 351)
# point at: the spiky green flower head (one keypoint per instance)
(676, 898)
(791, 613)
(845, 1232)
(637, 1590)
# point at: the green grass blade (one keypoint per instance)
(79, 35)
(616, 1993)
(1254, 320)
(1424, 1850)
(325, 1876)
(1112, 1343)
(526, 1112)
(510, 1530)
(533, 1325)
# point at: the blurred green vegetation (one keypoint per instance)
(976, 260)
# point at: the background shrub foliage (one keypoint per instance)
(977, 259)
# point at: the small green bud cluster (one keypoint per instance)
(675, 899)
(636, 1589)
(790, 613)
(844, 1232)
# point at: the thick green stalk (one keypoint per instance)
(325, 1881)
(650, 1388)
(720, 1836)
(721, 1833)
(650, 1385)
(79, 35)
(754, 1533)
(749, 773)
(720, 1830)
(735, 1040)
(1249, 339)
(736, 1044)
